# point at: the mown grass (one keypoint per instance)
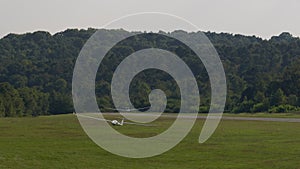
(59, 142)
(267, 115)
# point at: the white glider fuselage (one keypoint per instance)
(117, 123)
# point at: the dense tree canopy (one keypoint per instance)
(36, 72)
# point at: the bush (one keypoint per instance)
(259, 107)
(245, 106)
(203, 109)
(283, 109)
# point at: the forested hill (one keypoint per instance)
(36, 72)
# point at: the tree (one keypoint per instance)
(35, 102)
(11, 100)
(60, 103)
(260, 73)
(277, 98)
(292, 100)
(2, 107)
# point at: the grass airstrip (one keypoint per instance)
(60, 142)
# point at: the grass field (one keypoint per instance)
(59, 142)
(273, 115)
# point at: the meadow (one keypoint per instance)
(59, 142)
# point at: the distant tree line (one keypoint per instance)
(36, 72)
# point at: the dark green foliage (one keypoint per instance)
(36, 72)
(277, 98)
(11, 102)
(35, 102)
(283, 109)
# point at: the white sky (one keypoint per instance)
(262, 18)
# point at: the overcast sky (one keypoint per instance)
(262, 18)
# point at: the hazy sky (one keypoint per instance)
(263, 18)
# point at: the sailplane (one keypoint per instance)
(116, 122)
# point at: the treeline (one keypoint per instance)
(36, 72)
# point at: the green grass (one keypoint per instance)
(59, 142)
(272, 115)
